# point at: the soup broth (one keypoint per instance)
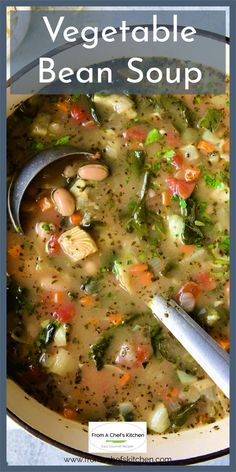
(146, 213)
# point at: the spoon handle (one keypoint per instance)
(202, 347)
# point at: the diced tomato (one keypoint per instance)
(136, 133)
(177, 160)
(65, 312)
(131, 355)
(57, 297)
(180, 187)
(192, 174)
(206, 281)
(52, 246)
(165, 198)
(70, 413)
(79, 114)
(142, 353)
(189, 287)
(173, 138)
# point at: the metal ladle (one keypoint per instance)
(202, 347)
(35, 165)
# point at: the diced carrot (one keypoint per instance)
(87, 300)
(116, 318)
(75, 219)
(189, 287)
(57, 297)
(203, 418)
(205, 146)
(70, 414)
(89, 124)
(165, 196)
(15, 251)
(187, 248)
(136, 268)
(224, 343)
(124, 379)
(45, 204)
(225, 146)
(145, 278)
(192, 174)
(206, 281)
(63, 106)
(94, 322)
(174, 393)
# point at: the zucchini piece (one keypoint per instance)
(158, 420)
(186, 378)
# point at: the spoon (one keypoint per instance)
(202, 347)
(209, 355)
(35, 165)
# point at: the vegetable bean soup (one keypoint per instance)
(145, 213)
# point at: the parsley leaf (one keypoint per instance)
(63, 140)
(153, 136)
(166, 153)
(213, 182)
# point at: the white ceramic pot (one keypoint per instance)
(185, 447)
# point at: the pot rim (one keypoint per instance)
(106, 460)
(44, 437)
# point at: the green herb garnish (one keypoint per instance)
(153, 136)
(63, 140)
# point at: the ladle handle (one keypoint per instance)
(202, 347)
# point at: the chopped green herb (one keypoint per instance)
(75, 97)
(63, 140)
(46, 226)
(213, 182)
(183, 203)
(153, 136)
(166, 153)
(37, 147)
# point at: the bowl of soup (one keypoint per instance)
(147, 213)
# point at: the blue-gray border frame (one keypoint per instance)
(213, 3)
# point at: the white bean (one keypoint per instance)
(95, 172)
(187, 301)
(64, 201)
